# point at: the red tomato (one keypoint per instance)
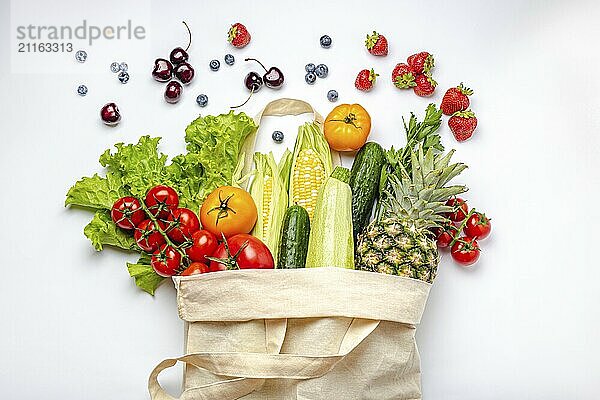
(461, 209)
(127, 212)
(166, 261)
(446, 236)
(465, 251)
(204, 244)
(148, 237)
(182, 224)
(478, 226)
(195, 268)
(161, 201)
(245, 252)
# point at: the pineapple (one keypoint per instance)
(399, 241)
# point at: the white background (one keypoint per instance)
(522, 324)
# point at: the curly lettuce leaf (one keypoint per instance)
(218, 142)
(144, 275)
(103, 232)
(96, 192)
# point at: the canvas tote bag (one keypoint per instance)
(299, 334)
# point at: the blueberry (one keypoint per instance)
(322, 71)
(310, 78)
(123, 77)
(229, 59)
(325, 41)
(82, 90)
(202, 100)
(310, 67)
(277, 136)
(215, 65)
(332, 95)
(81, 56)
(123, 67)
(114, 67)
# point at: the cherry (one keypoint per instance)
(253, 83)
(273, 76)
(179, 55)
(184, 72)
(163, 70)
(110, 114)
(173, 92)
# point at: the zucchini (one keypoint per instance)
(293, 245)
(364, 183)
(330, 243)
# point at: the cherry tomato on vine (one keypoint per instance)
(242, 251)
(446, 235)
(204, 244)
(166, 261)
(161, 200)
(465, 251)
(478, 226)
(148, 237)
(461, 209)
(182, 223)
(127, 212)
(228, 210)
(195, 268)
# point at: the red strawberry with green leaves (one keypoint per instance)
(238, 35)
(425, 85)
(403, 76)
(421, 63)
(456, 99)
(377, 44)
(462, 124)
(365, 80)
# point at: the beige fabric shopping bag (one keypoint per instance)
(305, 334)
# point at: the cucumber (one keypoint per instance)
(295, 232)
(364, 183)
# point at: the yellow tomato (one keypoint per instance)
(347, 127)
(228, 210)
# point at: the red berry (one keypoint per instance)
(403, 76)
(456, 99)
(425, 85)
(238, 35)
(462, 124)
(110, 114)
(365, 80)
(421, 63)
(377, 44)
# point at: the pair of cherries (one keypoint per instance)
(273, 79)
(177, 65)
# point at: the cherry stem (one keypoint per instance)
(248, 99)
(254, 59)
(189, 35)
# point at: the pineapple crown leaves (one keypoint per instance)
(421, 195)
(464, 114)
(464, 90)
(372, 40)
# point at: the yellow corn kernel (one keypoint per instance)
(266, 205)
(307, 178)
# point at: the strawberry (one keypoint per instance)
(365, 80)
(456, 99)
(425, 85)
(421, 63)
(377, 44)
(238, 35)
(403, 76)
(462, 124)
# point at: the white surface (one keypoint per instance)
(522, 324)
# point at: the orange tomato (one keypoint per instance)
(347, 127)
(228, 210)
